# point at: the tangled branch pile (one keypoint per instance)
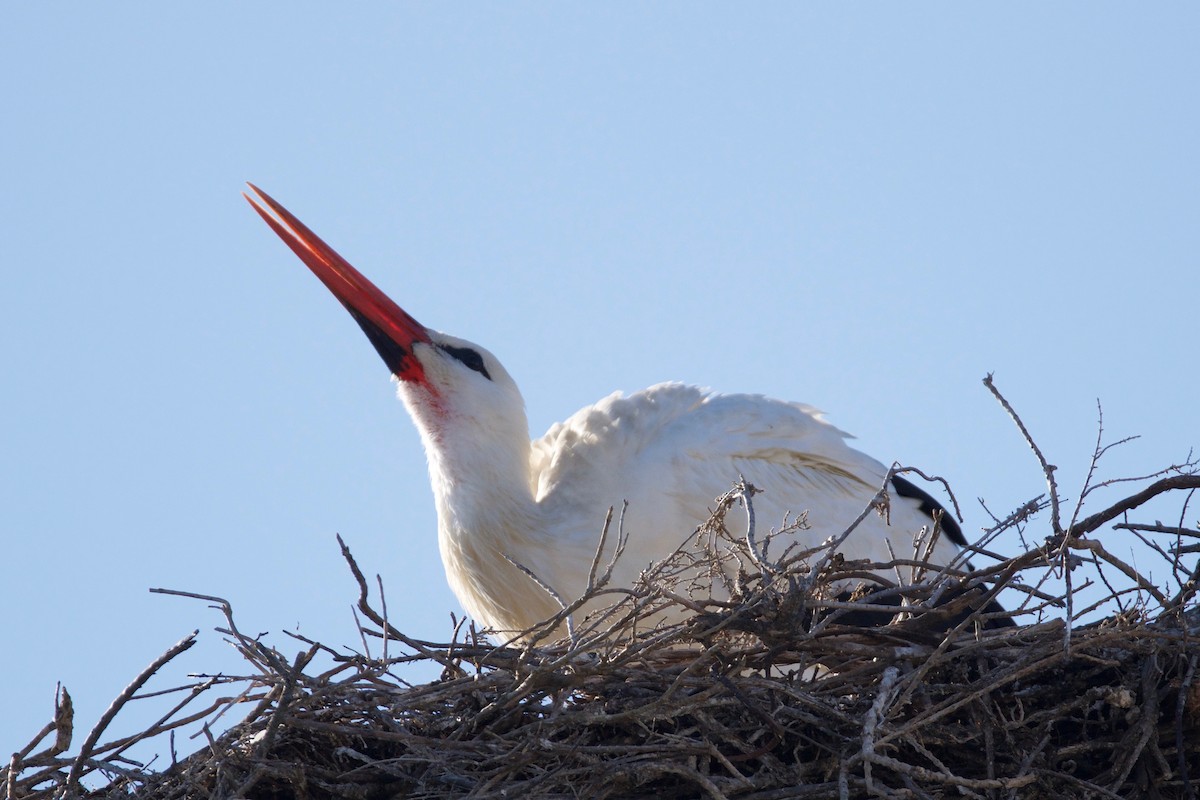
(769, 694)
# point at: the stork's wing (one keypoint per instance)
(672, 449)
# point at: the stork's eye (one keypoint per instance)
(468, 357)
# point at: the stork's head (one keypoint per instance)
(446, 383)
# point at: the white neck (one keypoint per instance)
(479, 468)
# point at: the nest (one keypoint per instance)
(669, 693)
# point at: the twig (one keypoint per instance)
(162, 723)
(1089, 524)
(365, 607)
(283, 699)
(1048, 469)
(831, 546)
(1181, 700)
(1095, 547)
(247, 643)
(383, 603)
(875, 714)
(935, 479)
(745, 492)
(89, 743)
(545, 587)
(762, 693)
(1178, 530)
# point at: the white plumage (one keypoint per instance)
(668, 451)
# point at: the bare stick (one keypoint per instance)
(383, 603)
(85, 751)
(365, 607)
(1180, 709)
(1089, 524)
(1187, 467)
(1047, 468)
(284, 697)
(746, 492)
(545, 587)
(63, 725)
(1097, 452)
(877, 502)
(874, 716)
(1178, 530)
(197, 690)
(27, 749)
(936, 479)
(249, 644)
(600, 545)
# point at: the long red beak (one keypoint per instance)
(387, 325)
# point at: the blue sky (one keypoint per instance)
(866, 208)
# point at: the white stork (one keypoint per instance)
(668, 451)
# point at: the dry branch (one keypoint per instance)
(765, 694)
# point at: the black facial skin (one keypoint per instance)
(467, 357)
(393, 355)
(396, 357)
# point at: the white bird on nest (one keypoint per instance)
(668, 451)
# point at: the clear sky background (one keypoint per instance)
(866, 208)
